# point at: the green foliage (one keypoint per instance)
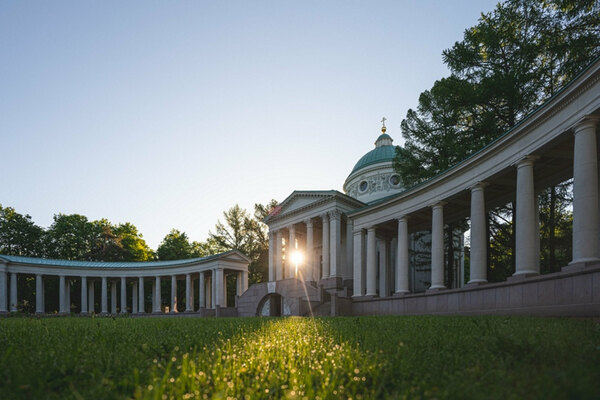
(357, 357)
(175, 246)
(19, 236)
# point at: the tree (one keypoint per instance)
(134, 247)
(175, 246)
(71, 237)
(19, 235)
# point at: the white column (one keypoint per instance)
(141, 299)
(218, 286)
(326, 251)
(437, 246)
(201, 291)
(39, 294)
(402, 259)
(68, 295)
(585, 193)
(123, 295)
(371, 262)
(359, 239)
(272, 275)
(349, 268)
(134, 298)
(478, 235)
(157, 295)
(113, 297)
(91, 297)
(84, 296)
(62, 309)
(173, 294)
(383, 267)
(278, 256)
(188, 293)
(153, 291)
(335, 244)
(238, 283)
(224, 286)
(244, 281)
(104, 294)
(13, 292)
(309, 270)
(3, 289)
(213, 289)
(290, 248)
(525, 235)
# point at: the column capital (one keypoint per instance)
(438, 204)
(589, 121)
(308, 221)
(324, 216)
(292, 227)
(371, 229)
(526, 161)
(278, 233)
(479, 186)
(403, 218)
(335, 214)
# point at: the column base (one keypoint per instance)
(83, 313)
(521, 276)
(63, 313)
(371, 295)
(475, 283)
(157, 312)
(103, 313)
(401, 293)
(36, 313)
(189, 311)
(577, 265)
(436, 288)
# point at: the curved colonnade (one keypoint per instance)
(210, 273)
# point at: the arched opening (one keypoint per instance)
(270, 306)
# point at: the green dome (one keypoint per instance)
(377, 155)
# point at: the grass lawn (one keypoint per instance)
(344, 357)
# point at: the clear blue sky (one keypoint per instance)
(164, 114)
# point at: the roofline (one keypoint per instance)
(7, 259)
(536, 112)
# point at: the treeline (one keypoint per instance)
(74, 237)
(515, 58)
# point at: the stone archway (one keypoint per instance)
(270, 306)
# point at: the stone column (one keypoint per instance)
(478, 235)
(244, 281)
(325, 252)
(525, 235)
(238, 283)
(84, 296)
(402, 259)
(335, 244)
(123, 295)
(310, 272)
(349, 268)
(359, 285)
(437, 246)
(13, 292)
(272, 274)
(157, 295)
(585, 193)
(3, 289)
(278, 256)
(173, 294)
(141, 299)
(68, 295)
(213, 289)
(218, 286)
(224, 286)
(188, 293)
(201, 291)
(134, 298)
(91, 297)
(104, 294)
(290, 248)
(371, 262)
(383, 267)
(39, 294)
(113, 297)
(153, 291)
(62, 309)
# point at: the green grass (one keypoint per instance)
(367, 357)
